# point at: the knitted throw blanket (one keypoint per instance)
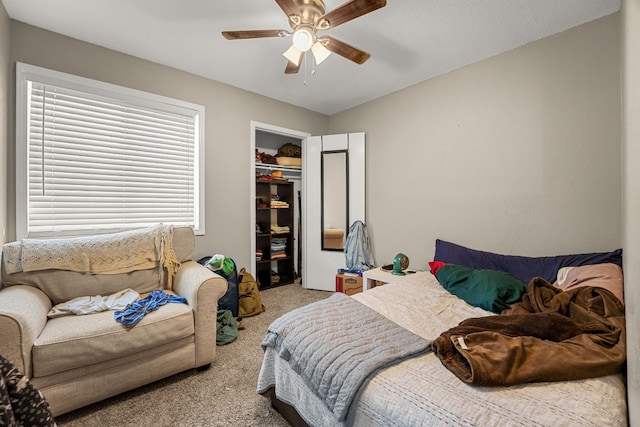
(101, 254)
(335, 354)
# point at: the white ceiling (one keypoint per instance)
(409, 40)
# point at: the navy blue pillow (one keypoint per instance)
(521, 267)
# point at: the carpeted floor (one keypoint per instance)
(224, 395)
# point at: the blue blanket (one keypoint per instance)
(337, 343)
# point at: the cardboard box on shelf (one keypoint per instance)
(348, 283)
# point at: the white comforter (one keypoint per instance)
(421, 392)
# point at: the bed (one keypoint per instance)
(416, 388)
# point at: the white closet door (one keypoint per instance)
(319, 266)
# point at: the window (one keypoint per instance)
(92, 157)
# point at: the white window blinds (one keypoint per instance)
(107, 159)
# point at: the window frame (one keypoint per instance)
(26, 73)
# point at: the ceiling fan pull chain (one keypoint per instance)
(304, 59)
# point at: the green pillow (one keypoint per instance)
(488, 289)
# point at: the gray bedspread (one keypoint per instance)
(335, 353)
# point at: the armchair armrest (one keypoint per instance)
(23, 314)
(202, 288)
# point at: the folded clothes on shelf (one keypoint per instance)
(275, 228)
(277, 203)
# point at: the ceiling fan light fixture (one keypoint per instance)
(320, 53)
(306, 18)
(303, 39)
(293, 55)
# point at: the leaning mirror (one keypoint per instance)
(335, 199)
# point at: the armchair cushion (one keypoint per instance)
(74, 341)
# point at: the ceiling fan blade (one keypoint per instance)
(291, 68)
(254, 34)
(347, 51)
(289, 7)
(349, 11)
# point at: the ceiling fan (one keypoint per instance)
(306, 18)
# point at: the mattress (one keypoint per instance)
(421, 391)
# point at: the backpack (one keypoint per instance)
(250, 299)
(229, 301)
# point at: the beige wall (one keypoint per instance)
(518, 154)
(5, 85)
(229, 112)
(631, 213)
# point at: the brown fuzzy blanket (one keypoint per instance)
(550, 336)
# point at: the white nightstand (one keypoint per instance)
(378, 276)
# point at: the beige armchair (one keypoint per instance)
(76, 360)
